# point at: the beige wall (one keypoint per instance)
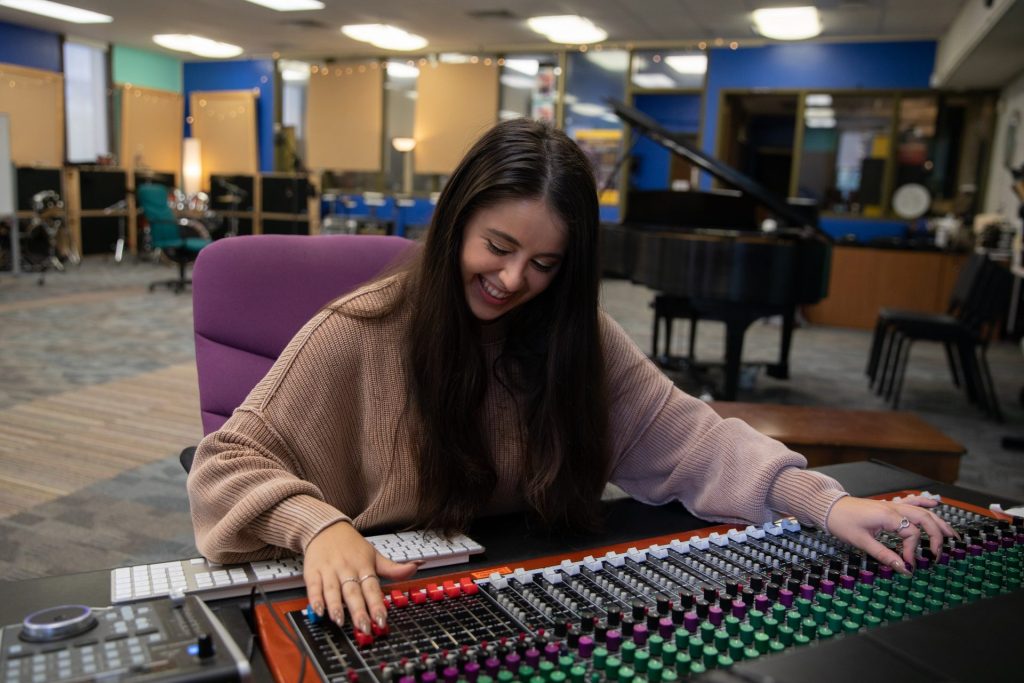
(151, 129)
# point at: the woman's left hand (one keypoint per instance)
(859, 520)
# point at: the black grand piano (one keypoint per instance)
(707, 257)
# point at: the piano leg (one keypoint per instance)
(735, 328)
(781, 369)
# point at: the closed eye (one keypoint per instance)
(544, 267)
(495, 249)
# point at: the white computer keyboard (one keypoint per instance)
(223, 581)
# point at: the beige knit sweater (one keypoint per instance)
(317, 441)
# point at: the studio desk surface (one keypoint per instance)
(972, 642)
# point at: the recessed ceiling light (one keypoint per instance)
(787, 23)
(569, 29)
(653, 81)
(197, 45)
(610, 60)
(384, 36)
(518, 82)
(688, 64)
(818, 100)
(527, 67)
(289, 5)
(56, 10)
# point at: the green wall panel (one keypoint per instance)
(146, 69)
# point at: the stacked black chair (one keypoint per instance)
(976, 308)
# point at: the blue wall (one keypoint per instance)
(833, 66)
(678, 113)
(29, 47)
(239, 75)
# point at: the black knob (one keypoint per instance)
(205, 646)
(793, 585)
(663, 604)
(833, 576)
(725, 603)
(600, 632)
(639, 609)
(573, 637)
(710, 594)
(586, 621)
(626, 627)
(748, 597)
(686, 600)
(814, 580)
(560, 629)
(652, 622)
(678, 615)
(798, 573)
(778, 577)
(732, 588)
(702, 609)
(614, 617)
(756, 584)
(772, 591)
(872, 565)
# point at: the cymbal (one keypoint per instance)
(228, 198)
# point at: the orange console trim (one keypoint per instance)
(283, 658)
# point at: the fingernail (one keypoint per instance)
(318, 609)
(336, 617)
(380, 621)
(364, 625)
(419, 563)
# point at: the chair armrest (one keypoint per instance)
(188, 227)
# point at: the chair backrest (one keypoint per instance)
(966, 280)
(985, 306)
(163, 224)
(251, 295)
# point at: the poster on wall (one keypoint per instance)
(542, 101)
(602, 145)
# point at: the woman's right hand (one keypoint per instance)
(342, 570)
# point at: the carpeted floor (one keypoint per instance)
(98, 396)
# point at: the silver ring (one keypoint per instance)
(904, 523)
(349, 578)
(364, 578)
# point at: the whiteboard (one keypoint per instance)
(7, 205)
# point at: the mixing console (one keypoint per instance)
(666, 611)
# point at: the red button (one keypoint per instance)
(419, 597)
(452, 591)
(363, 639)
(436, 594)
(400, 601)
(379, 632)
(469, 588)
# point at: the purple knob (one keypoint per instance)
(974, 550)
(829, 587)
(885, 572)
(665, 627)
(512, 660)
(739, 609)
(612, 641)
(407, 679)
(533, 657)
(715, 615)
(451, 674)
(785, 597)
(491, 666)
(762, 603)
(690, 622)
(847, 581)
(551, 652)
(866, 576)
(1007, 542)
(991, 546)
(807, 592)
(640, 634)
(959, 553)
(471, 671)
(1020, 539)
(923, 562)
(586, 646)
(943, 558)
(429, 677)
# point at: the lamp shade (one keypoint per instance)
(191, 166)
(404, 144)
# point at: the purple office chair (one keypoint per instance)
(252, 294)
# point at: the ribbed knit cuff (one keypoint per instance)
(809, 496)
(294, 522)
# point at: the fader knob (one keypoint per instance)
(663, 604)
(614, 617)
(205, 646)
(638, 609)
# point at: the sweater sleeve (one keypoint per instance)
(668, 446)
(255, 486)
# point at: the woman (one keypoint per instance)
(483, 378)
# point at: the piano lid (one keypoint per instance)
(643, 123)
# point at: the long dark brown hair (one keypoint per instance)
(552, 354)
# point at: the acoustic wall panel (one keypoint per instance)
(344, 117)
(455, 105)
(225, 124)
(34, 100)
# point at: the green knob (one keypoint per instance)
(732, 625)
(856, 615)
(669, 652)
(506, 676)
(736, 648)
(696, 668)
(612, 665)
(871, 621)
(707, 632)
(990, 588)
(710, 656)
(933, 605)
(655, 671)
(669, 676)
(721, 640)
(761, 641)
(600, 657)
(877, 609)
(882, 596)
(526, 672)
(565, 662)
(655, 644)
(747, 633)
(557, 676)
(681, 636)
(917, 597)
(776, 646)
(779, 611)
(972, 594)
(640, 661)
(756, 618)
(696, 644)
(840, 607)
(800, 639)
(892, 615)
(793, 619)
(628, 652)
(577, 673)
(751, 653)
(803, 606)
(850, 626)
(626, 674)
(808, 627)
(786, 635)
(682, 663)
(825, 600)
(914, 611)
(861, 601)
(724, 662)
(771, 626)
(835, 622)
(824, 633)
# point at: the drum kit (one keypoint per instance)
(46, 244)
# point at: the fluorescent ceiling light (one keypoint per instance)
(820, 122)
(402, 70)
(569, 29)
(818, 100)
(384, 36)
(527, 67)
(819, 112)
(518, 82)
(588, 109)
(654, 81)
(289, 5)
(453, 58)
(197, 45)
(787, 23)
(688, 64)
(293, 71)
(612, 60)
(56, 10)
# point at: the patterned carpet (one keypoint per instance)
(98, 396)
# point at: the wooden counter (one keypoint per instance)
(828, 436)
(865, 279)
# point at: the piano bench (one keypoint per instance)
(828, 436)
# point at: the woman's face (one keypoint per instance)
(510, 253)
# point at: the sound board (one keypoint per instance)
(660, 611)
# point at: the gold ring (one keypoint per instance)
(368, 576)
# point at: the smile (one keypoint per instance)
(492, 292)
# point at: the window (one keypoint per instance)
(85, 102)
(529, 86)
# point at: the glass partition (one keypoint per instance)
(669, 69)
(529, 86)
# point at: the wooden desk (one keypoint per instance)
(828, 436)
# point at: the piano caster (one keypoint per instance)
(778, 371)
